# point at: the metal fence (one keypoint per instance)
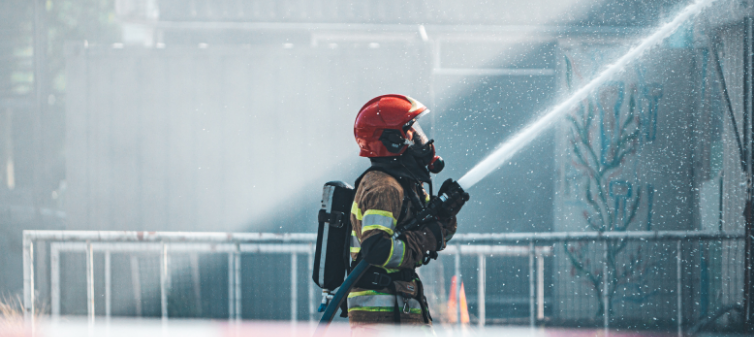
(629, 279)
(646, 280)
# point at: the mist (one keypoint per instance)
(206, 116)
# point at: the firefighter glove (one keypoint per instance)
(457, 197)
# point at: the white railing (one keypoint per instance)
(535, 246)
(160, 242)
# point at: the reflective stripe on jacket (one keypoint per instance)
(374, 214)
(375, 301)
(375, 211)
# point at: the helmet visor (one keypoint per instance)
(414, 128)
(419, 137)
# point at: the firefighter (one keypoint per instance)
(388, 195)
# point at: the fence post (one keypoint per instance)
(679, 288)
(294, 287)
(482, 278)
(606, 288)
(164, 283)
(540, 286)
(28, 260)
(136, 283)
(231, 286)
(55, 280)
(108, 285)
(237, 280)
(90, 283)
(531, 283)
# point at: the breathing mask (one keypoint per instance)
(422, 148)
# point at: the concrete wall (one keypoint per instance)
(221, 138)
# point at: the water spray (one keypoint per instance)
(507, 149)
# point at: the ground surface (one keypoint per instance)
(206, 328)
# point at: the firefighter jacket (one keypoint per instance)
(375, 216)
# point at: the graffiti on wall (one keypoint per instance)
(606, 135)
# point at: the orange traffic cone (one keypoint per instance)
(453, 304)
(464, 307)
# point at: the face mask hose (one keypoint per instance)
(425, 154)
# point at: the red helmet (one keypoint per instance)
(382, 124)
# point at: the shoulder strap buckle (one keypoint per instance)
(381, 279)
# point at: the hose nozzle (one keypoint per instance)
(453, 197)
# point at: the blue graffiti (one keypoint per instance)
(652, 94)
(620, 191)
(606, 139)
